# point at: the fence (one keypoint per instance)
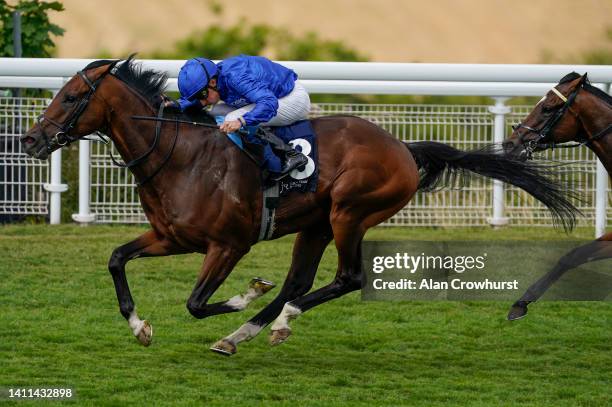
(22, 179)
(107, 193)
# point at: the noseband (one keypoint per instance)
(543, 141)
(62, 137)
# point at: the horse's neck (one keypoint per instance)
(133, 138)
(595, 119)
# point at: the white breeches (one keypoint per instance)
(291, 108)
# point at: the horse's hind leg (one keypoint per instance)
(147, 245)
(597, 250)
(354, 210)
(348, 236)
(307, 252)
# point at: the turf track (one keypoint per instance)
(60, 327)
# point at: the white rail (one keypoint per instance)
(361, 71)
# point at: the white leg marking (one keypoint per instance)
(288, 313)
(135, 323)
(245, 333)
(240, 302)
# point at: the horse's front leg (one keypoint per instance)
(218, 264)
(599, 249)
(147, 245)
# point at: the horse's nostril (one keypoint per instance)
(28, 140)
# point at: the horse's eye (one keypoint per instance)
(69, 99)
(547, 109)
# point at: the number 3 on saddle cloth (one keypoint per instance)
(300, 135)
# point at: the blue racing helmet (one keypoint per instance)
(194, 77)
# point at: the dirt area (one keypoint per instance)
(474, 31)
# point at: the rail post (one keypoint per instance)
(84, 216)
(500, 110)
(601, 199)
(55, 187)
(601, 192)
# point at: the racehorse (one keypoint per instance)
(202, 194)
(574, 110)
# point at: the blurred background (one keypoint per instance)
(471, 31)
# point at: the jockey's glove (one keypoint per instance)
(170, 105)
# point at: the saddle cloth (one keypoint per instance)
(303, 139)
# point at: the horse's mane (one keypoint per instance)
(151, 84)
(148, 82)
(587, 86)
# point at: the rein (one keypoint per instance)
(544, 133)
(197, 124)
(142, 158)
(162, 119)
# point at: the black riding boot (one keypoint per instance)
(291, 158)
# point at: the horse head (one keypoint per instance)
(554, 120)
(76, 111)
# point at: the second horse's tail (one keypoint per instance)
(439, 163)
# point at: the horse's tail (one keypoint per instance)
(439, 164)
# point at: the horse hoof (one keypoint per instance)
(224, 347)
(279, 336)
(261, 286)
(145, 336)
(518, 311)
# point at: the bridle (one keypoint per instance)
(62, 137)
(544, 140)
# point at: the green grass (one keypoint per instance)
(60, 326)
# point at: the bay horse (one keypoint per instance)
(202, 194)
(574, 110)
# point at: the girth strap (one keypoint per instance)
(268, 209)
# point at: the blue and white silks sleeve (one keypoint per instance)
(266, 103)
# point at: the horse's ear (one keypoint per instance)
(584, 79)
(113, 64)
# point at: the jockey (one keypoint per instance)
(248, 91)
